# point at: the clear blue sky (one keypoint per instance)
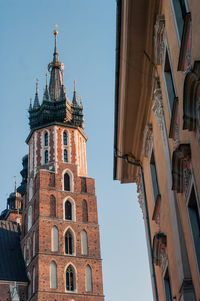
(86, 45)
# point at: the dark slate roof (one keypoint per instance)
(12, 266)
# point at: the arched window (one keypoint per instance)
(64, 138)
(84, 242)
(33, 287)
(33, 244)
(29, 217)
(53, 275)
(65, 156)
(88, 273)
(84, 211)
(52, 206)
(70, 279)
(69, 242)
(66, 182)
(30, 189)
(46, 139)
(55, 239)
(68, 210)
(46, 156)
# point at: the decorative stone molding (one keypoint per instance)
(184, 63)
(181, 168)
(160, 257)
(158, 107)
(140, 194)
(191, 100)
(159, 39)
(147, 140)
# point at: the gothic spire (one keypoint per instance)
(46, 90)
(56, 78)
(36, 104)
(75, 100)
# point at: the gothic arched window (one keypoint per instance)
(46, 139)
(68, 210)
(55, 239)
(84, 242)
(33, 244)
(69, 242)
(46, 156)
(70, 279)
(66, 182)
(29, 217)
(64, 138)
(88, 273)
(65, 156)
(52, 206)
(33, 285)
(53, 275)
(84, 211)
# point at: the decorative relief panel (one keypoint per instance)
(147, 140)
(191, 101)
(158, 107)
(140, 195)
(181, 169)
(160, 257)
(184, 63)
(159, 39)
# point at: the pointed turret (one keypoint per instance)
(75, 100)
(46, 90)
(36, 104)
(56, 78)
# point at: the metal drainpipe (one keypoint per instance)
(146, 222)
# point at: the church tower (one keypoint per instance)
(60, 232)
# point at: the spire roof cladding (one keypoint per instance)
(55, 106)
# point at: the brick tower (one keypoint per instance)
(60, 235)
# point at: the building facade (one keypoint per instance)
(60, 232)
(157, 135)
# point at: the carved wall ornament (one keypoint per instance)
(158, 107)
(159, 39)
(140, 194)
(181, 170)
(191, 101)
(147, 140)
(160, 257)
(184, 63)
(174, 125)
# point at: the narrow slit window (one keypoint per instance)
(169, 81)
(64, 138)
(46, 156)
(65, 156)
(46, 139)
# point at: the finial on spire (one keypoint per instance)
(75, 100)
(75, 85)
(46, 74)
(36, 84)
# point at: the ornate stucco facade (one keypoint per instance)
(157, 135)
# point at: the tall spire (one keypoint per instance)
(56, 68)
(46, 90)
(75, 100)
(55, 55)
(36, 104)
